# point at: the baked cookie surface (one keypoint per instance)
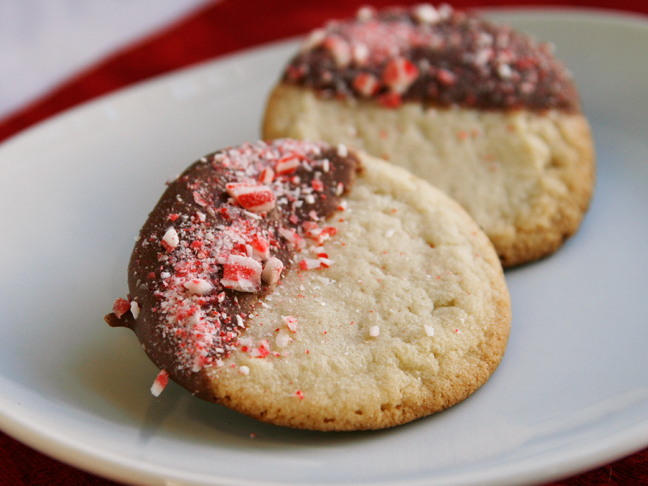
(479, 110)
(390, 304)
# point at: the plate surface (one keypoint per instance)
(570, 394)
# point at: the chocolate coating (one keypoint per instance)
(184, 331)
(452, 58)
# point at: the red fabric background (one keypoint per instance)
(217, 29)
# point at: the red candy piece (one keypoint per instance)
(242, 273)
(121, 307)
(287, 165)
(253, 197)
(390, 100)
(399, 74)
(366, 84)
(160, 383)
(267, 176)
(260, 246)
(317, 185)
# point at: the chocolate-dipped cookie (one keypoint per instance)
(483, 112)
(309, 286)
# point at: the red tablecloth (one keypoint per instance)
(216, 29)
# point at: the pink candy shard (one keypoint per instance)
(260, 247)
(291, 322)
(120, 307)
(339, 49)
(257, 198)
(309, 264)
(293, 238)
(242, 273)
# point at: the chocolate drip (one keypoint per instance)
(211, 226)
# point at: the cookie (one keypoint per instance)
(481, 111)
(313, 287)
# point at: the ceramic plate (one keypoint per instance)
(570, 394)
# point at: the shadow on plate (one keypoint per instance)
(116, 377)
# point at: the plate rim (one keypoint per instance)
(41, 436)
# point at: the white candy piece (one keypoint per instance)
(283, 339)
(426, 14)
(340, 49)
(291, 322)
(365, 14)
(293, 238)
(360, 54)
(198, 286)
(135, 309)
(272, 271)
(374, 331)
(314, 39)
(171, 238)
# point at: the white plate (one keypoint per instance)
(572, 390)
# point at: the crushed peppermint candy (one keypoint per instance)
(272, 271)
(170, 240)
(160, 383)
(121, 307)
(438, 56)
(291, 322)
(239, 219)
